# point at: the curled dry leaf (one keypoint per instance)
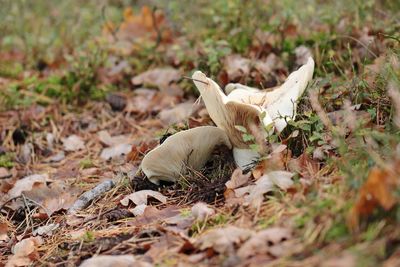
(26, 184)
(223, 240)
(140, 197)
(378, 190)
(272, 241)
(238, 179)
(201, 211)
(24, 252)
(265, 184)
(73, 143)
(191, 148)
(138, 210)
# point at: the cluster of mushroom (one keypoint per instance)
(242, 108)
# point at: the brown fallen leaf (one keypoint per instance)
(378, 190)
(114, 260)
(152, 214)
(201, 211)
(3, 231)
(54, 197)
(177, 113)
(255, 193)
(24, 252)
(146, 27)
(4, 173)
(26, 184)
(161, 78)
(73, 143)
(115, 151)
(238, 179)
(149, 101)
(272, 241)
(109, 140)
(236, 67)
(140, 197)
(223, 240)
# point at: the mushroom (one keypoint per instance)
(252, 108)
(190, 148)
(279, 103)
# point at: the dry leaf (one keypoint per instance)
(114, 260)
(376, 191)
(201, 211)
(161, 78)
(73, 143)
(191, 148)
(140, 197)
(24, 252)
(223, 240)
(4, 173)
(238, 179)
(3, 232)
(109, 140)
(145, 28)
(138, 210)
(115, 151)
(149, 101)
(46, 230)
(265, 184)
(26, 184)
(54, 197)
(272, 241)
(236, 67)
(178, 113)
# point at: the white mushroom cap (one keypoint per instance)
(190, 148)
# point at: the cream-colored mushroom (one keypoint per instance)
(190, 148)
(244, 106)
(280, 103)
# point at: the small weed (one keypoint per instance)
(6, 160)
(86, 163)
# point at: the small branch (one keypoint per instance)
(196, 80)
(84, 200)
(156, 28)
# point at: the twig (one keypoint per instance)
(84, 200)
(196, 80)
(359, 42)
(156, 28)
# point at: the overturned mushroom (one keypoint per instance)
(279, 103)
(228, 114)
(252, 108)
(190, 148)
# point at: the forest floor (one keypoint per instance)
(87, 89)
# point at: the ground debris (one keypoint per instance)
(86, 198)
